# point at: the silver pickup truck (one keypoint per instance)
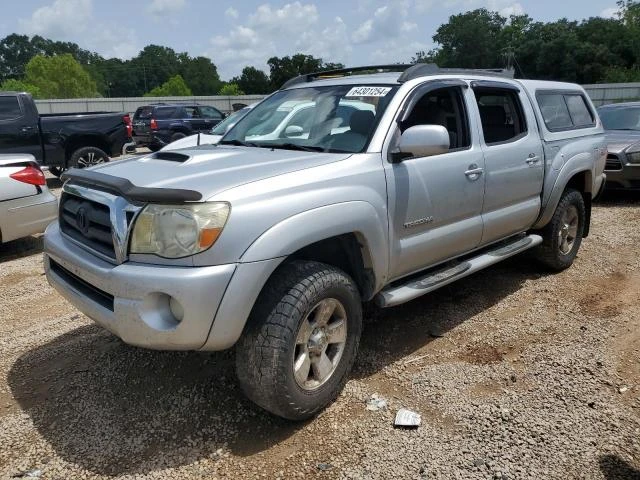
(273, 245)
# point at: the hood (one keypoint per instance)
(211, 169)
(620, 140)
(192, 141)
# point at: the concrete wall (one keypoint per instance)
(130, 105)
(604, 93)
(600, 94)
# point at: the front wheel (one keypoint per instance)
(562, 237)
(301, 340)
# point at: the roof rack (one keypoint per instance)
(342, 72)
(409, 72)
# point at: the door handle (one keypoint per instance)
(474, 172)
(533, 159)
(26, 129)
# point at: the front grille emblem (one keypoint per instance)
(82, 220)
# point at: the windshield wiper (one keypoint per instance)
(238, 143)
(295, 146)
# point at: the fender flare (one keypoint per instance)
(576, 165)
(311, 226)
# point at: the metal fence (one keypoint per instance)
(130, 105)
(600, 94)
(604, 93)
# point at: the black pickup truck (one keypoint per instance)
(61, 141)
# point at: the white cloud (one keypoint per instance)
(387, 22)
(515, 9)
(160, 8)
(231, 13)
(59, 19)
(611, 12)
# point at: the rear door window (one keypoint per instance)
(9, 108)
(191, 112)
(210, 112)
(165, 113)
(502, 115)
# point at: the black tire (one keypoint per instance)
(87, 157)
(56, 171)
(554, 253)
(265, 354)
(154, 147)
(177, 136)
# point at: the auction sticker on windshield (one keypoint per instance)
(368, 92)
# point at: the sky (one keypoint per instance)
(249, 32)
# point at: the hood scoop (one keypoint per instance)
(171, 156)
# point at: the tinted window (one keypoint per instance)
(580, 114)
(501, 114)
(443, 107)
(9, 108)
(166, 112)
(191, 112)
(143, 112)
(620, 118)
(210, 112)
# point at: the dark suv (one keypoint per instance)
(159, 124)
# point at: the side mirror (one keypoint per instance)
(293, 131)
(424, 141)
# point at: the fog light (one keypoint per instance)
(176, 309)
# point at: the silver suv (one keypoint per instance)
(273, 245)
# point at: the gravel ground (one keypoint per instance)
(516, 373)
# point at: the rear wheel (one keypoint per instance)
(87, 157)
(562, 237)
(301, 340)
(177, 136)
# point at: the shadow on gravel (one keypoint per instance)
(20, 248)
(54, 182)
(115, 409)
(394, 333)
(619, 198)
(615, 468)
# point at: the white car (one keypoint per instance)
(213, 136)
(294, 120)
(26, 204)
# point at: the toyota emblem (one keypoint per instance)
(82, 220)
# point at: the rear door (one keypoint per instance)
(514, 159)
(19, 131)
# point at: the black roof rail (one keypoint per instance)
(343, 72)
(409, 72)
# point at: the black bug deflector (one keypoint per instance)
(123, 187)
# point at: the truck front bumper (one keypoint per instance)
(151, 306)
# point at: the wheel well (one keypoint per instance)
(347, 252)
(86, 141)
(583, 182)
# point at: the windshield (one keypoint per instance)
(338, 118)
(224, 125)
(620, 118)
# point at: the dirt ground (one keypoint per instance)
(516, 373)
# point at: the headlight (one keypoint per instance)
(175, 231)
(633, 157)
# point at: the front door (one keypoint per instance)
(435, 203)
(514, 160)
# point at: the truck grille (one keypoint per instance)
(88, 223)
(613, 163)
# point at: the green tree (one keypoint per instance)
(60, 76)
(253, 81)
(174, 87)
(285, 68)
(155, 65)
(231, 90)
(13, 85)
(200, 74)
